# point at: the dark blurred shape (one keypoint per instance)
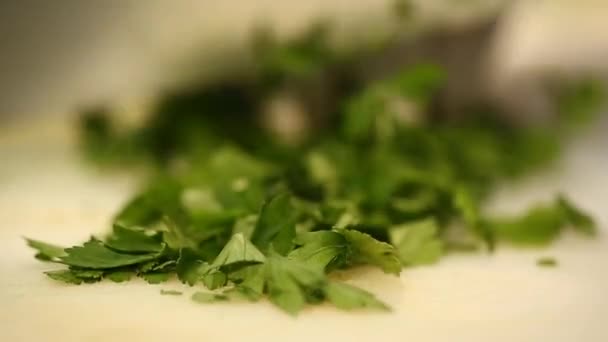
(365, 94)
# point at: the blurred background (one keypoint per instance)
(59, 56)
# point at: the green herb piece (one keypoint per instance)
(95, 255)
(417, 243)
(370, 116)
(170, 292)
(103, 141)
(276, 225)
(540, 225)
(321, 249)
(119, 276)
(165, 266)
(190, 268)
(130, 240)
(291, 284)
(177, 235)
(214, 280)
(240, 292)
(147, 266)
(420, 202)
(229, 164)
(237, 253)
(89, 276)
(250, 281)
(155, 277)
(547, 262)
(543, 224)
(404, 9)
(460, 246)
(207, 298)
(65, 276)
(420, 82)
(579, 101)
(322, 171)
(285, 293)
(150, 205)
(576, 217)
(300, 58)
(468, 208)
(347, 297)
(367, 250)
(245, 225)
(76, 275)
(46, 251)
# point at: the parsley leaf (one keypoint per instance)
(347, 297)
(276, 225)
(130, 240)
(250, 281)
(245, 225)
(190, 268)
(238, 252)
(95, 255)
(540, 225)
(291, 283)
(46, 251)
(214, 279)
(468, 208)
(150, 205)
(579, 220)
(543, 224)
(321, 249)
(65, 276)
(417, 242)
(89, 276)
(119, 276)
(367, 250)
(156, 277)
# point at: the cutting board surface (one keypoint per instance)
(48, 193)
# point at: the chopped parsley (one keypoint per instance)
(384, 179)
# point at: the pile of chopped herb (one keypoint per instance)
(383, 179)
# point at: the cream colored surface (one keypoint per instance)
(46, 193)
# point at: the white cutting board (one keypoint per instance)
(48, 194)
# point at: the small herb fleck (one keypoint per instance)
(170, 292)
(206, 297)
(547, 262)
